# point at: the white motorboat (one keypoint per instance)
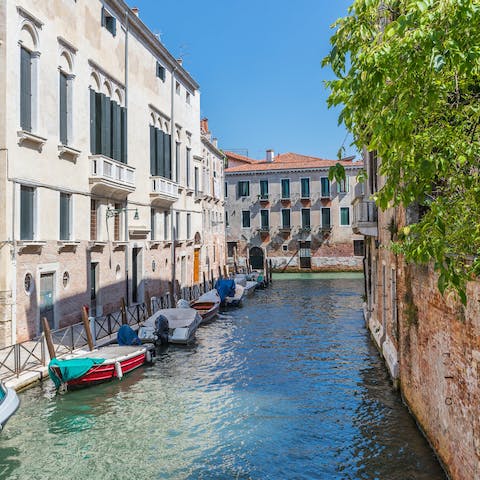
(207, 305)
(250, 288)
(175, 325)
(9, 403)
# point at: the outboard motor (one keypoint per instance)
(161, 329)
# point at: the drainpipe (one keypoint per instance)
(127, 250)
(173, 160)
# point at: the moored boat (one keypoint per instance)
(9, 403)
(235, 300)
(97, 366)
(175, 325)
(207, 305)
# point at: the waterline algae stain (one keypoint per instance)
(287, 387)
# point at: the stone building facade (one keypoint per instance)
(285, 208)
(430, 343)
(100, 154)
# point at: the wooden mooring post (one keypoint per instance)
(123, 309)
(219, 272)
(88, 331)
(225, 271)
(48, 338)
(148, 304)
(270, 270)
(204, 282)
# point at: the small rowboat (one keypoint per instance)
(207, 305)
(9, 403)
(98, 366)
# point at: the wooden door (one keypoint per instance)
(196, 265)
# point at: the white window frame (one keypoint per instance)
(250, 217)
(289, 189)
(309, 188)
(340, 216)
(329, 188)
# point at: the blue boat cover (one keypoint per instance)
(225, 288)
(71, 369)
(126, 336)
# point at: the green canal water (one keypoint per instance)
(287, 387)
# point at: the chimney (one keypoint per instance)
(215, 142)
(135, 11)
(180, 61)
(204, 125)
(270, 155)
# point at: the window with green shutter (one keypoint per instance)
(305, 187)
(27, 204)
(306, 218)
(326, 222)
(286, 218)
(25, 89)
(264, 189)
(345, 216)
(65, 214)
(177, 162)
(109, 21)
(264, 219)
(243, 188)
(246, 218)
(285, 189)
(167, 145)
(63, 113)
(325, 182)
(188, 161)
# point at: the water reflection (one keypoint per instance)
(287, 387)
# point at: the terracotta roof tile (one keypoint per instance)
(239, 158)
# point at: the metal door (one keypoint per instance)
(305, 255)
(47, 287)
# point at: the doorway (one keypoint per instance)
(256, 258)
(305, 254)
(196, 265)
(47, 288)
(136, 274)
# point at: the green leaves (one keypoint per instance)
(408, 76)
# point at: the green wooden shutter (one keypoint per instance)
(168, 155)
(64, 216)
(93, 142)
(153, 152)
(63, 116)
(26, 212)
(107, 127)
(116, 132)
(123, 135)
(98, 122)
(25, 90)
(160, 156)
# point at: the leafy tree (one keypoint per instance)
(408, 79)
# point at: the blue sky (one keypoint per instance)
(258, 64)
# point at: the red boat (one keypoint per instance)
(207, 305)
(101, 365)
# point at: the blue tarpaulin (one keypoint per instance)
(126, 336)
(225, 288)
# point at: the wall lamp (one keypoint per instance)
(112, 212)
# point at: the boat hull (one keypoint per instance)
(9, 405)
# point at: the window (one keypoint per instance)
(116, 222)
(326, 223)
(285, 189)
(177, 162)
(246, 218)
(344, 216)
(231, 247)
(177, 225)
(226, 190)
(93, 219)
(153, 224)
(358, 248)
(264, 189)
(160, 158)
(189, 225)
(325, 182)
(63, 104)
(243, 188)
(109, 21)
(195, 181)
(161, 72)
(108, 127)
(27, 213)
(227, 224)
(187, 97)
(264, 219)
(166, 226)
(25, 89)
(305, 186)
(285, 248)
(177, 88)
(65, 216)
(187, 162)
(286, 218)
(306, 218)
(343, 186)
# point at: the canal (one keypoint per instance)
(287, 387)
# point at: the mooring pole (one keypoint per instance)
(86, 325)
(48, 338)
(123, 309)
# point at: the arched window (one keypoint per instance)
(65, 120)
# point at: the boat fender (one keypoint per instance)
(118, 370)
(148, 356)
(62, 389)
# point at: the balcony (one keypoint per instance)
(364, 220)
(163, 192)
(111, 178)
